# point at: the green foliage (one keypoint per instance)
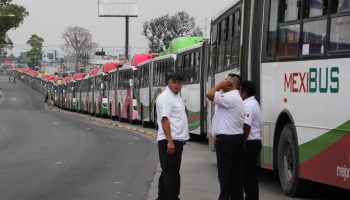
(36, 44)
(11, 16)
(161, 31)
(21, 59)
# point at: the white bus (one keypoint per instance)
(126, 97)
(297, 53)
(100, 107)
(87, 94)
(144, 97)
(76, 98)
(191, 64)
(84, 88)
(112, 93)
(160, 67)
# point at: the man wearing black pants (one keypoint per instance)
(252, 141)
(172, 135)
(227, 128)
(170, 177)
(229, 153)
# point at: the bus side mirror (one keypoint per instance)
(131, 82)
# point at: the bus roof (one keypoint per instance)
(180, 43)
(144, 62)
(111, 65)
(40, 75)
(139, 58)
(93, 72)
(195, 46)
(55, 79)
(224, 10)
(50, 77)
(78, 76)
(125, 67)
(69, 78)
(173, 56)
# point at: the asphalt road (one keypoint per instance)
(51, 155)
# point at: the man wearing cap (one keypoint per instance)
(227, 128)
(172, 135)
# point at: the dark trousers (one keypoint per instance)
(250, 169)
(228, 154)
(169, 180)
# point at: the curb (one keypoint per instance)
(116, 124)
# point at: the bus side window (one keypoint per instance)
(339, 34)
(291, 10)
(339, 6)
(289, 40)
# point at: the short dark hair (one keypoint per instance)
(248, 87)
(238, 78)
(173, 76)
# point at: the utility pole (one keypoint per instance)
(127, 38)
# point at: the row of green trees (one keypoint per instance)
(78, 41)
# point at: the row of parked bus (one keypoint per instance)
(128, 91)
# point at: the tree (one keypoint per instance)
(35, 53)
(78, 43)
(11, 16)
(160, 31)
(21, 59)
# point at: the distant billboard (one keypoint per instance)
(117, 8)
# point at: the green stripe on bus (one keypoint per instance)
(310, 149)
(193, 125)
(193, 119)
(266, 155)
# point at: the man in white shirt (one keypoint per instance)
(252, 141)
(227, 128)
(172, 135)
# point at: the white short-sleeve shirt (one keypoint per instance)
(171, 106)
(252, 117)
(229, 114)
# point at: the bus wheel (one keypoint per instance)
(128, 115)
(119, 115)
(99, 111)
(110, 112)
(288, 161)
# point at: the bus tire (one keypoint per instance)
(129, 115)
(119, 114)
(110, 112)
(288, 162)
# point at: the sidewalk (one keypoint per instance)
(198, 174)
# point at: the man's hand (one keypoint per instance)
(170, 148)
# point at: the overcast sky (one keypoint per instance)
(49, 18)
